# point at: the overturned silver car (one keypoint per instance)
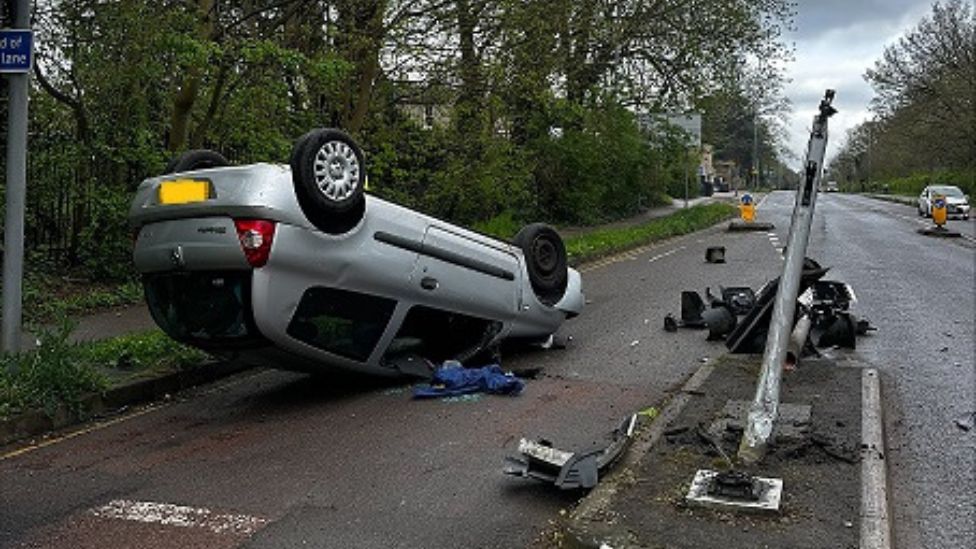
(297, 267)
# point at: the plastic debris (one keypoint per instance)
(670, 324)
(538, 459)
(650, 412)
(966, 421)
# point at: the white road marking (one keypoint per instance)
(665, 254)
(179, 515)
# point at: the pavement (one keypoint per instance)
(102, 325)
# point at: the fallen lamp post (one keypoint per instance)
(763, 411)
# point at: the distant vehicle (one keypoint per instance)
(296, 267)
(831, 187)
(957, 203)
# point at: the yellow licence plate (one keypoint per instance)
(182, 191)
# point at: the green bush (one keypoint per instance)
(598, 168)
(106, 254)
(479, 183)
(913, 184)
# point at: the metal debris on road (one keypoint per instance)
(538, 459)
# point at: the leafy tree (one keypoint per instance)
(532, 102)
(924, 91)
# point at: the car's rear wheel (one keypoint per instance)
(197, 159)
(545, 260)
(329, 175)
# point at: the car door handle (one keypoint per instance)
(428, 283)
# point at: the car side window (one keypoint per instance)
(341, 322)
(438, 335)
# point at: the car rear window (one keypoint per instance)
(345, 323)
(202, 307)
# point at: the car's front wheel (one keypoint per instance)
(197, 159)
(329, 175)
(545, 260)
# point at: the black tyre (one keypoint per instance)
(198, 159)
(545, 260)
(329, 175)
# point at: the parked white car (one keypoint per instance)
(957, 203)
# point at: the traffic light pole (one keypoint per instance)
(765, 405)
(16, 190)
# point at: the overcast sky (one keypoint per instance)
(836, 42)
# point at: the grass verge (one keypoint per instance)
(600, 243)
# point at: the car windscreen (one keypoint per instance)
(345, 323)
(954, 192)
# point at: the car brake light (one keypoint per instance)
(255, 236)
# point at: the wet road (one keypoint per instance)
(918, 291)
(275, 459)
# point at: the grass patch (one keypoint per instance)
(598, 244)
(48, 378)
(139, 355)
(59, 374)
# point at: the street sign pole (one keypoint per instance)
(12, 57)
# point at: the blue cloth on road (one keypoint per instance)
(453, 380)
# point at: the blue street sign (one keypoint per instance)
(16, 50)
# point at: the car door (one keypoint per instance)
(468, 273)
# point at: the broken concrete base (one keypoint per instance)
(792, 423)
(770, 494)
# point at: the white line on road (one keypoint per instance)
(179, 515)
(665, 254)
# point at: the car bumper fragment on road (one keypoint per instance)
(570, 470)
